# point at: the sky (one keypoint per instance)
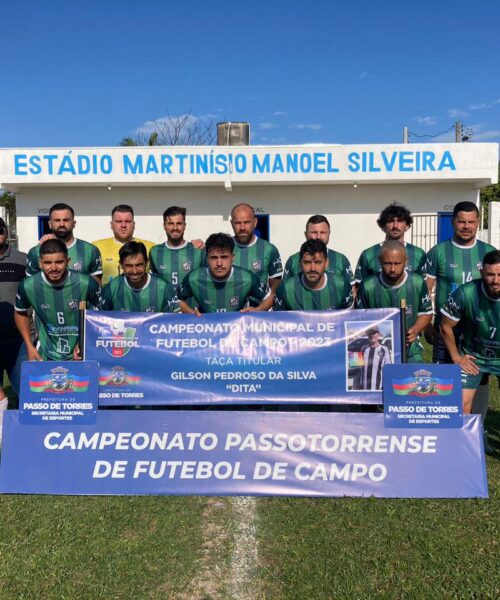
(88, 73)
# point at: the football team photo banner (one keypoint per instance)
(242, 358)
(243, 453)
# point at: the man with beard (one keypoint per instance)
(314, 287)
(252, 252)
(83, 257)
(395, 220)
(475, 308)
(393, 284)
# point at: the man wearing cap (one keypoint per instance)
(12, 272)
(375, 357)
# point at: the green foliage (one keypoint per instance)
(490, 193)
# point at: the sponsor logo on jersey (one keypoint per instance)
(234, 301)
(186, 266)
(77, 266)
(453, 266)
(116, 338)
(207, 301)
(256, 265)
(45, 306)
(73, 304)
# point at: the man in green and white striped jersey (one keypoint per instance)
(393, 284)
(395, 220)
(315, 287)
(176, 257)
(475, 308)
(252, 252)
(318, 228)
(222, 286)
(54, 293)
(83, 256)
(136, 290)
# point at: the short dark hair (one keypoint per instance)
(174, 210)
(219, 241)
(492, 258)
(391, 245)
(316, 220)
(53, 246)
(465, 206)
(394, 211)
(313, 247)
(122, 208)
(61, 206)
(131, 249)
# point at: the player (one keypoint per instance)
(314, 287)
(252, 252)
(137, 290)
(318, 228)
(54, 293)
(222, 286)
(123, 226)
(475, 307)
(453, 263)
(393, 284)
(176, 257)
(83, 257)
(375, 357)
(394, 221)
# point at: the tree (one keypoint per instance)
(490, 193)
(8, 201)
(184, 130)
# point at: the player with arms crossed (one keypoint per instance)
(55, 294)
(137, 290)
(222, 286)
(318, 228)
(475, 308)
(395, 220)
(176, 257)
(393, 284)
(83, 257)
(314, 287)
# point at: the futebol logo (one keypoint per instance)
(117, 339)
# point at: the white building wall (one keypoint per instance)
(352, 211)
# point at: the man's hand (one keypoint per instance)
(33, 353)
(44, 238)
(198, 244)
(468, 364)
(77, 355)
(411, 335)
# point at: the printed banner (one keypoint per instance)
(243, 453)
(422, 396)
(64, 392)
(249, 358)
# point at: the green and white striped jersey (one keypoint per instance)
(369, 264)
(479, 317)
(172, 264)
(338, 264)
(374, 292)
(259, 257)
(83, 258)
(294, 294)
(155, 296)
(56, 310)
(230, 295)
(451, 265)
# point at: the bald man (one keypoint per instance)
(392, 284)
(252, 252)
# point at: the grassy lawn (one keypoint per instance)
(156, 547)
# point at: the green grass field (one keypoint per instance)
(279, 548)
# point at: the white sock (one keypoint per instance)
(3, 408)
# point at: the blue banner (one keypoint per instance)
(231, 358)
(422, 396)
(57, 391)
(243, 453)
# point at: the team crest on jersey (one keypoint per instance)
(186, 266)
(150, 309)
(234, 301)
(479, 265)
(453, 266)
(409, 310)
(45, 306)
(256, 265)
(116, 338)
(73, 304)
(77, 266)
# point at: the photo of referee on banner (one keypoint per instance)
(368, 348)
